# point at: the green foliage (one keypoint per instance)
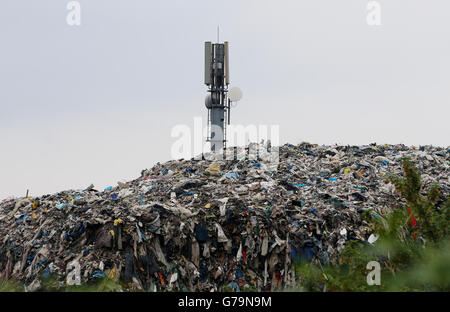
(11, 286)
(432, 220)
(101, 285)
(52, 284)
(414, 256)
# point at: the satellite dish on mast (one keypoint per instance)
(208, 101)
(235, 94)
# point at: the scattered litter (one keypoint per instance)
(199, 225)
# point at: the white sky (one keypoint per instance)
(96, 103)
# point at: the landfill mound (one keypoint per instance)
(201, 225)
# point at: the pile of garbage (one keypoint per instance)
(202, 225)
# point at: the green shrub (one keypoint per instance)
(413, 247)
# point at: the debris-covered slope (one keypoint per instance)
(202, 225)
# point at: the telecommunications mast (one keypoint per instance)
(218, 101)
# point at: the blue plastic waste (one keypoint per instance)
(98, 274)
(235, 286)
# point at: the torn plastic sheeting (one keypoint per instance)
(221, 237)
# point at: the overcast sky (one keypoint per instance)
(96, 103)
